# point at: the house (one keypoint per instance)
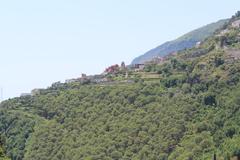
(138, 67)
(112, 69)
(198, 44)
(84, 79)
(236, 24)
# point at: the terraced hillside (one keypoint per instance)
(184, 108)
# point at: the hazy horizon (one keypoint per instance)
(42, 42)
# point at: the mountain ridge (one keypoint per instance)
(186, 41)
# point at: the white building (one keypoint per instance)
(198, 44)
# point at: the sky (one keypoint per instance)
(44, 41)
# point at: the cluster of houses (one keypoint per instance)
(95, 79)
(134, 67)
(89, 79)
(113, 69)
(102, 78)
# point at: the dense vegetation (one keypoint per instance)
(190, 112)
(2, 153)
(186, 41)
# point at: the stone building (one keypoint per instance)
(236, 24)
(112, 69)
(138, 67)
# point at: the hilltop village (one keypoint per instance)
(123, 73)
(111, 75)
(120, 72)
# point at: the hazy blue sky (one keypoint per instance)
(43, 41)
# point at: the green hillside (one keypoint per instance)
(2, 154)
(185, 108)
(188, 40)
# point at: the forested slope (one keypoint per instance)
(190, 112)
(2, 153)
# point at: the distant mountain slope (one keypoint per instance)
(186, 41)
